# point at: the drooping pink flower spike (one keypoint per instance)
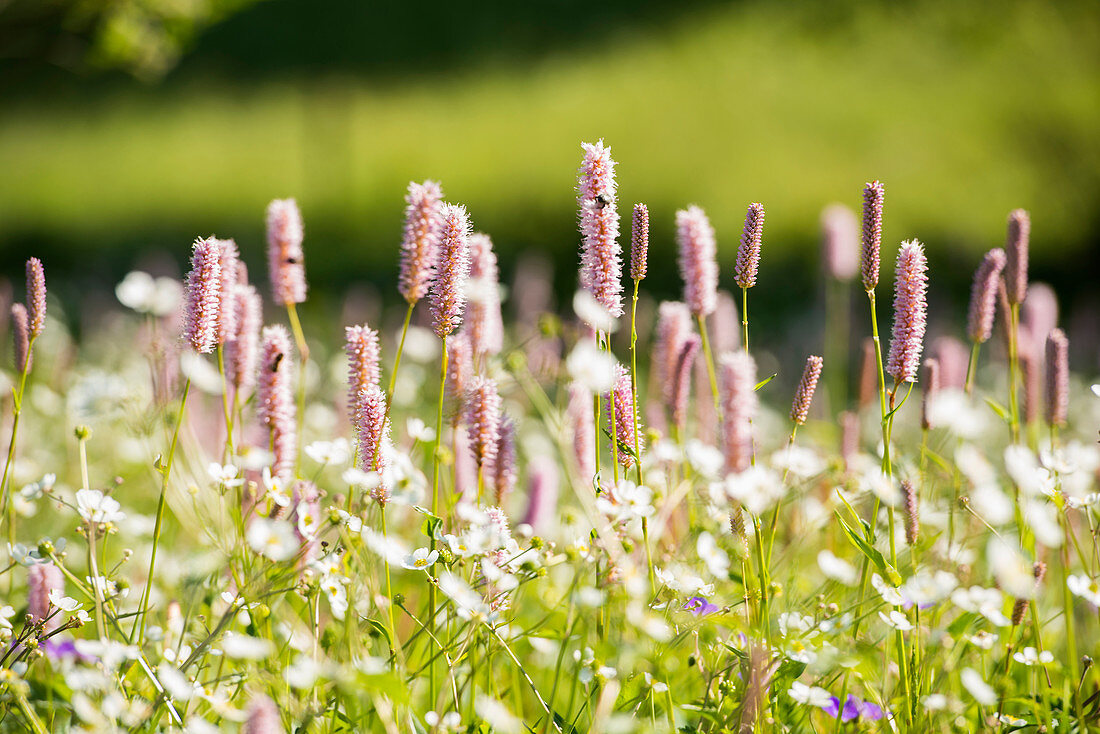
(874, 194)
(36, 296)
(601, 258)
(285, 257)
(203, 296)
(420, 244)
(448, 291)
(910, 312)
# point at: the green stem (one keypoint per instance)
(1014, 369)
(303, 353)
(400, 350)
(972, 367)
(745, 319)
(435, 489)
(166, 470)
(710, 362)
(225, 403)
(7, 509)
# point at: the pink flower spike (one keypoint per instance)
(739, 402)
(448, 291)
(910, 312)
(1016, 255)
(931, 388)
(36, 295)
(21, 338)
(748, 254)
(505, 474)
(682, 381)
(874, 194)
(285, 258)
(983, 296)
(43, 578)
(1057, 377)
(601, 261)
(840, 242)
(372, 429)
(229, 259)
(804, 395)
(275, 398)
(698, 267)
(639, 242)
(483, 422)
(361, 348)
(620, 400)
(203, 296)
(460, 366)
(420, 244)
(673, 329)
(483, 318)
(263, 717)
(581, 421)
(542, 494)
(243, 351)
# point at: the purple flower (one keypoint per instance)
(699, 606)
(853, 709)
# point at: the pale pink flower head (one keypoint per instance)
(420, 244)
(1038, 315)
(953, 357)
(285, 258)
(36, 295)
(43, 578)
(361, 348)
(682, 380)
(673, 329)
(910, 312)
(21, 337)
(748, 253)
(601, 261)
(840, 242)
(203, 296)
(580, 419)
(483, 319)
(460, 367)
(804, 394)
(912, 511)
(874, 194)
(243, 351)
(275, 398)
(483, 408)
(620, 400)
(372, 430)
(1016, 252)
(230, 260)
(698, 266)
(505, 473)
(639, 242)
(983, 296)
(1057, 377)
(1031, 373)
(448, 291)
(737, 371)
(263, 717)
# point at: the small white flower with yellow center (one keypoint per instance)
(224, 474)
(420, 559)
(274, 539)
(1030, 656)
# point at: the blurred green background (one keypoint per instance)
(128, 127)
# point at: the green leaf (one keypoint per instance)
(998, 408)
(432, 523)
(765, 381)
(962, 623)
(623, 447)
(381, 630)
(870, 552)
(388, 684)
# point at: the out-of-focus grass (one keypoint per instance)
(964, 110)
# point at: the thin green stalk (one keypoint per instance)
(303, 353)
(435, 488)
(1067, 610)
(972, 367)
(1014, 369)
(225, 403)
(711, 375)
(400, 350)
(93, 567)
(745, 319)
(395, 645)
(611, 402)
(166, 471)
(7, 508)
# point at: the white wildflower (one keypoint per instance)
(982, 692)
(274, 539)
(837, 568)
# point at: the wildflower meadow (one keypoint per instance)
(487, 514)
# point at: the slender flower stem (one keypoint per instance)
(166, 471)
(225, 403)
(435, 486)
(710, 363)
(972, 367)
(611, 411)
(395, 645)
(93, 567)
(400, 350)
(634, 418)
(745, 319)
(303, 353)
(1014, 369)
(6, 508)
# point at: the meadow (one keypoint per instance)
(505, 517)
